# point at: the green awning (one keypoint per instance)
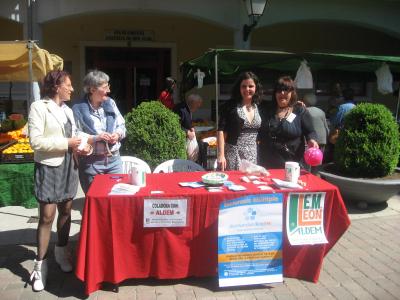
(231, 62)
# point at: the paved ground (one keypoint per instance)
(365, 264)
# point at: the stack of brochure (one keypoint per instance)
(286, 184)
(124, 189)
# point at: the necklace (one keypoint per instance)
(283, 112)
(248, 107)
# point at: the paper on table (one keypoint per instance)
(124, 189)
(286, 184)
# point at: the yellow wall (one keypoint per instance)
(322, 36)
(10, 30)
(192, 37)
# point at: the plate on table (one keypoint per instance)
(214, 178)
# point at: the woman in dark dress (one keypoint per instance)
(285, 127)
(239, 123)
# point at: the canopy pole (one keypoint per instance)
(216, 92)
(30, 47)
(398, 103)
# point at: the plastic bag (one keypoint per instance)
(384, 79)
(251, 168)
(192, 149)
(304, 79)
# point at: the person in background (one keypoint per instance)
(166, 96)
(51, 134)
(335, 100)
(185, 110)
(98, 116)
(318, 120)
(319, 123)
(285, 127)
(338, 118)
(239, 123)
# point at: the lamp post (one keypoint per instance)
(255, 9)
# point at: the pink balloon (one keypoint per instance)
(313, 156)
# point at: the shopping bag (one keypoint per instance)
(384, 79)
(304, 79)
(192, 149)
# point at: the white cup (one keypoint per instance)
(292, 171)
(137, 176)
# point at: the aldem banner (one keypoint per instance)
(305, 218)
(250, 240)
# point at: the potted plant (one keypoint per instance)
(366, 155)
(154, 134)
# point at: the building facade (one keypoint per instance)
(139, 43)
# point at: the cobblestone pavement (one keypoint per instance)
(364, 264)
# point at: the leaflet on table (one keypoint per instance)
(286, 184)
(250, 240)
(305, 218)
(124, 189)
(165, 212)
(192, 184)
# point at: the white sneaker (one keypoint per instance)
(39, 275)
(62, 257)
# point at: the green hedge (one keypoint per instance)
(368, 145)
(154, 134)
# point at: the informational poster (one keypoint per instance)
(305, 218)
(250, 240)
(165, 212)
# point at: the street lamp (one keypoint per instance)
(255, 9)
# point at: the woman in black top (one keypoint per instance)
(285, 127)
(239, 123)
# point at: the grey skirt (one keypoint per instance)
(56, 184)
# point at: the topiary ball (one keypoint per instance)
(368, 145)
(154, 134)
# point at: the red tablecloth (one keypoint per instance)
(114, 246)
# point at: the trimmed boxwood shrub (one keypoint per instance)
(368, 145)
(154, 134)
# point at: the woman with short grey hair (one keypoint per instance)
(98, 115)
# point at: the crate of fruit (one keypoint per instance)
(20, 152)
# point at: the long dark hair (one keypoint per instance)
(51, 81)
(237, 97)
(285, 83)
(169, 84)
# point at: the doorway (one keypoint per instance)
(136, 74)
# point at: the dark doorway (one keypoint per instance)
(136, 74)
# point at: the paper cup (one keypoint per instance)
(292, 171)
(137, 177)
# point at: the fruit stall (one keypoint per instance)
(16, 163)
(206, 135)
(20, 61)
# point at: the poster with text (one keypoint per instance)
(165, 212)
(305, 218)
(250, 240)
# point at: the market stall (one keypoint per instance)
(223, 65)
(24, 61)
(219, 66)
(20, 61)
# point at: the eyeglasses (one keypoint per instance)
(106, 86)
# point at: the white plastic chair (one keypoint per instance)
(129, 161)
(178, 165)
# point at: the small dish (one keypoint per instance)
(214, 178)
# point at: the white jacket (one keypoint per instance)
(47, 133)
